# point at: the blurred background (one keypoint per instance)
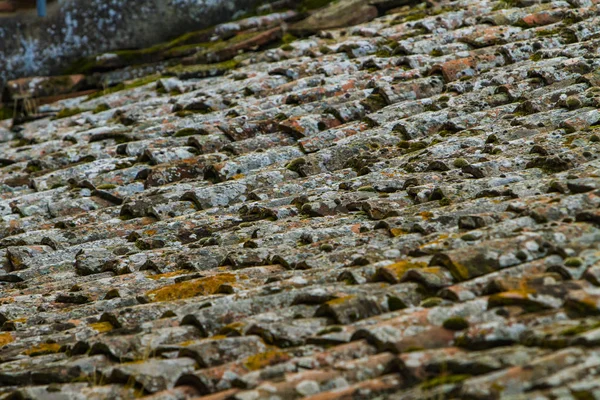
(56, 49)
(77, 28)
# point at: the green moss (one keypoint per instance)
(503, 4)
(288, 38)
(295, 164)
(436, 53)
(33, 168)
(23, 142)
(123, 165)
(568, 36)
(411, 146)
(456, 324)
(121, 59)
(460, 163)
(214, 51)
(124, 86)
(431, 302)
(547, 32)
(190, 38)
(142, 81)
(141, 56)
(537, 56)
(395, 303)
(469, 237)
(5, 113)
(155, 53)
(83, 65)
(573, 102)
(106, 186)
(287, 47)
(326, 247)
(184, 113)
(581, 328)
(186, 132)
(186, 50)
(415, 16)
(202, 70)
(107, 91)
(330, 329)
(443, 380)
(573, 262)
(325, 50)
(583, 394)
(381, 53)
(101, 108)
(366, 189)
(68, 112)
(374, 102)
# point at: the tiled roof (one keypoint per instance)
(406, 208)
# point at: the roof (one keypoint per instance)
(404, 208)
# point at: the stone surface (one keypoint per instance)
(405, 208)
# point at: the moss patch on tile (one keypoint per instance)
(123, 86)
(68, 112)
(42, 349)
(201, 71)
(456, 324)
(102, 326)
(262, 360)
(5, 113)
(196, 287)
(443, 380)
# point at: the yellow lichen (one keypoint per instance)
(5, 338)
(459, 271)
(340, 300)
(395, 232)
(400, 268)
(233, 328)
(426, 215)
(187, 289)
(262, 360)
(102, 326)
(43, 348)
(441, 238)
(187, 343)
(167, 274)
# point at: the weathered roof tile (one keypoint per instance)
(406, 208)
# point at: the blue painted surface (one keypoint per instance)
(41, 8)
